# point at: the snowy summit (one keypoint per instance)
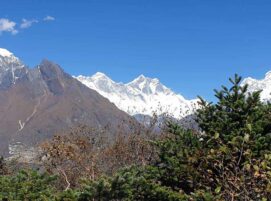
(11, 68)
(7, 59)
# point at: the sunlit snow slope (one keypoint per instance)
(143, 96)
(263, 84)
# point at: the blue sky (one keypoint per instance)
(192, 46)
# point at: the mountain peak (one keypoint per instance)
(5, 53)
(11, 69)
(99, 75)
(101, 79)
(141, 78)
(149, 85)
(51, 70)
(8, 58)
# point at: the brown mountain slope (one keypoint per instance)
(45, 100)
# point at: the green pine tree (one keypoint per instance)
(237, 115)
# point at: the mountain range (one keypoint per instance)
(35, 103)
(146, 96)
(142, 96)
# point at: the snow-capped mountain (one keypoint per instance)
(11, 68)
(144, 96)
(263, 84)
(7, 58)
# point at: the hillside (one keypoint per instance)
(36, 103)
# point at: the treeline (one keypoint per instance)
(228, 159)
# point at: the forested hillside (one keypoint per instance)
(228, 159)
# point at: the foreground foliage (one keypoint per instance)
(26, 185)
(229, 160)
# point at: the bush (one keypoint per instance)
(27, 185)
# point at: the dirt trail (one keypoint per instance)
(41, 99)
